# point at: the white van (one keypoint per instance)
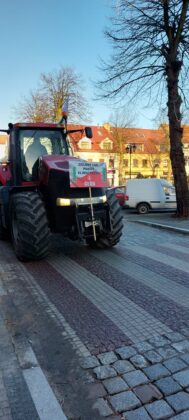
(150, 193)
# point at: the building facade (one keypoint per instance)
(130, 152)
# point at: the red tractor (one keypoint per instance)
(36, 198)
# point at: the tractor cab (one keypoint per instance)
(36, 143)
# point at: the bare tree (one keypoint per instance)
(45, 103)
(119, 120)
(150, 42)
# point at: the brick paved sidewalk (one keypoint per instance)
(148, 379)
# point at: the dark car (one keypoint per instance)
(120, 194)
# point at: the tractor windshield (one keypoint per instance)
(37, 143)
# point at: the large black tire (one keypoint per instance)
(3, 232)
(29, 226)
(113, 237)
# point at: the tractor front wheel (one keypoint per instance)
(29, 226)
(112, 237)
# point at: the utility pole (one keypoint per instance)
(130, 148)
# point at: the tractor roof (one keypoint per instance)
(38, 125)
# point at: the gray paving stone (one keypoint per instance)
(138, 414)
(115, 385)
(167, 352)
(174, 336)
(147, 393)
(143, 347)
(185, 331)
(158, 341)
(182, 377)
(104, 372)
(96, 390)
(89, 362)
(135, 378)
(125, 352)
(139, 361)
(179, 402)
(88, 378)
(175, 364)
(123, 366)
(124, 401)
(168, 386)
(156, 371)
(185, 357)
(182, 346)
(102, 406)
(159, 410)
(153, 356)
(182, 416)
(107, 358)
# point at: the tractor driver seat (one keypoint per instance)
(32, 155)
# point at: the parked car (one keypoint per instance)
(150, 193)
(120, 194)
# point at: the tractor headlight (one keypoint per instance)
(104, 198)
(65, 202)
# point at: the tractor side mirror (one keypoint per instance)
(88, 132)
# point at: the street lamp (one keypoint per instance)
(131, 147)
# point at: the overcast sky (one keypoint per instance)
(42, 35)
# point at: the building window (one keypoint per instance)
(163, 148)
(125, 162)
(111, 163)
(85, 144)
(144, 163)
(165, 162)
(135, 163)
(156, 163)
(139, 147)
(107, 145)
(101, 160)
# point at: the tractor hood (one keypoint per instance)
(54, 178)
(53, 163)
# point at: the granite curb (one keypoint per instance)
(183, 231)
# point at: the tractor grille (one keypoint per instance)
(59, 186)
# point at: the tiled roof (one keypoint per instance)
(149, 138)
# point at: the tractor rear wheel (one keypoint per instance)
(29, 226)
(113, 237)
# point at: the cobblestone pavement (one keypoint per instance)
(118, 319)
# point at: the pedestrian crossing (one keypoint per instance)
(132, 320)
(161, 284)
(139, 301)
(159, 256)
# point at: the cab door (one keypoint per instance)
(170, 197)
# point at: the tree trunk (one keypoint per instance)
(176, 147)
(120, 169)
